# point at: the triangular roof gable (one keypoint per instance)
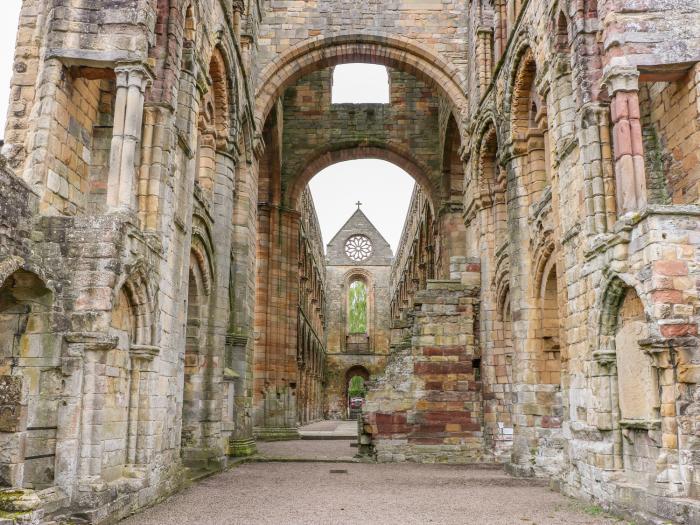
(359, 214)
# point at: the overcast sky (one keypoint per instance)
(8, 30)
(383, 188)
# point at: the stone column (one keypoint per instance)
(139, 404)
(79, 436)
(623, 87)
(132, 80)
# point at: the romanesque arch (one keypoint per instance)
(396, 52)
(394, 153)
(528, 127)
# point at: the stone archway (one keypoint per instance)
(353, 371)
(337, 153)
(396, 52)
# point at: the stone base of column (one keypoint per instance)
(201, 459)
(241, 448)
(519, 471)
(276, 433)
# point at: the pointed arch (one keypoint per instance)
(141, 301)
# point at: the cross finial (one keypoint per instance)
(358, 204)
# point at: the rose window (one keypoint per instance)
(358, 248)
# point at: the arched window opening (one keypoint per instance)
(550, 367)
(357, 307)
(530, 128)
(360, 84)
(561, 41)
(194, 401)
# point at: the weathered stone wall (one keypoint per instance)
(131, 123)
(427, 405)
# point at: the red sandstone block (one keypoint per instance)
(679, 330)
(442, 368)
(447, 416)
(667, 296)
(550, 422)
(672, 268)
(433, 385)
(429, 429)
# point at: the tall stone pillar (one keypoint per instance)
(276, 368)
(79, 446)
(132, 80)
(623, 87)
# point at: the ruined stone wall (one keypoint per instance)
(131, 123)
(426, 407)
(313, 310)
(416, 258)
(151, 240)
(572, 223)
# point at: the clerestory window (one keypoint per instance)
(360, 84)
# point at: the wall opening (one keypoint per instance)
(357, 307)
(360, 84)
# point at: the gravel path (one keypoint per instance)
(308, 493)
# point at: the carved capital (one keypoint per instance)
(621, 78)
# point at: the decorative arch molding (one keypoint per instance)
(375, 48)
(356, 370)
(341, 152)
(201, 255)
(202, 250)
(615, 286)
(543, 261)
(486, 132)
(141, 300)
(13, 263)
(522, 70)
(502, 277)
(220, 120)
(351, 274)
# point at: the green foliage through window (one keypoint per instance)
(357, 387)
(358, 308)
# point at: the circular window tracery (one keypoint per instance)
(358, 248)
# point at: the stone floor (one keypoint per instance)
(329, 430)
(317, 493)
(321, 450)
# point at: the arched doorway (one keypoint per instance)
(355, 389)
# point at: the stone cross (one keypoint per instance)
(358, 204)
